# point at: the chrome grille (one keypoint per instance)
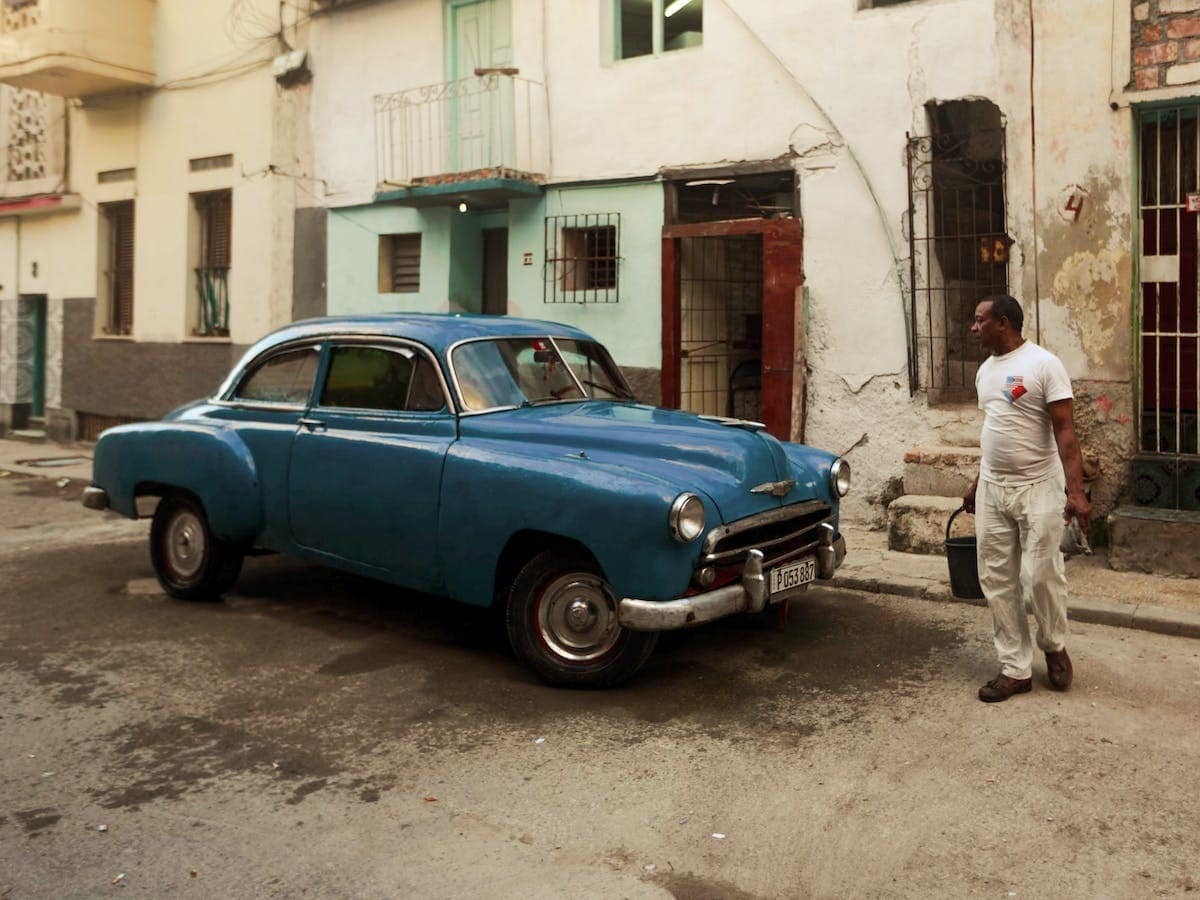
(779, 533)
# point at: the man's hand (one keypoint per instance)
(1078, 508)
(969, 497)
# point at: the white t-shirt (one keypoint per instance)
(1018, 439)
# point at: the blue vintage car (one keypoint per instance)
(491, 460)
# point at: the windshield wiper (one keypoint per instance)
(606, 389)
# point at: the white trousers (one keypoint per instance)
(1018, 530)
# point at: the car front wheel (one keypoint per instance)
(562, 621)
(190, 562)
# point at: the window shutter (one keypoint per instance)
(406, 263)
(219, 226)
(121, 223)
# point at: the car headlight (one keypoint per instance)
(839, 477)
(687, 518)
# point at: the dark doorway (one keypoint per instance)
(495, 271)
(958, 241)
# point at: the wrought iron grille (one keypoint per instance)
(493, 122)
(1167, 474)
(958, 252)
(721, 326)
(582, 258)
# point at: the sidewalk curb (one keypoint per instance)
(1142, 617)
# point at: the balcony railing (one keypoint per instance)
(493, 122)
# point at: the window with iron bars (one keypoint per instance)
(118, 271)
(582, 258)
(214, 210)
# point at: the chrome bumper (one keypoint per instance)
(749, 595)
(95, 498)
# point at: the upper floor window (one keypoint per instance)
(116, 281)
(645, 27)
(212, 216)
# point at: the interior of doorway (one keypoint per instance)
(721, 326)
(495, 271)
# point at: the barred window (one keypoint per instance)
(582, 258)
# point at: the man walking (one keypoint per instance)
(1029, 445)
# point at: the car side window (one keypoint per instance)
(284, 378)
(383, 379)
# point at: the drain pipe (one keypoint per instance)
(1037, 290)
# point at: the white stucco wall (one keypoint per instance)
(835, 90)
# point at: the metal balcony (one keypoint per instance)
(77, 48)
(481, 140)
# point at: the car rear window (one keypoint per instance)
(284, 378)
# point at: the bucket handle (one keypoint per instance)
(953, 516)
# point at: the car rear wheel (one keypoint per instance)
(190, 562)
(562, 621)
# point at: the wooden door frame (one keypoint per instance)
(783, 275)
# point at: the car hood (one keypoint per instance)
(679, 449)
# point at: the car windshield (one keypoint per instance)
(508, 372)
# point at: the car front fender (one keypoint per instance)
(620, 517)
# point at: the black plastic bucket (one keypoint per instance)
(964, 565)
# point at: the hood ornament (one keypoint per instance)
(774, 488)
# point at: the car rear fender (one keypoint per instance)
(212, 463)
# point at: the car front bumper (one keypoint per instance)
(748, 595)
(95, 498)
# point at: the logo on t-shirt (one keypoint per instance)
(1014, 387)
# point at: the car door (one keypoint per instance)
(366, 466)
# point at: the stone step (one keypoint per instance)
(1161, 541)
(917, 523)
(29, 435)
(940, 471)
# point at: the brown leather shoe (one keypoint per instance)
(1058, 667)
(1002, 687)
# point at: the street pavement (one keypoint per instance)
(319, 734)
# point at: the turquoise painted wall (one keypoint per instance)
(452, 263)
(632, 327)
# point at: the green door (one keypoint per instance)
(477, 37)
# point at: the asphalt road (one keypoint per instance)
(320, 735)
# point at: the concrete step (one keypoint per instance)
(1161, 541)
(917, 523)
(940, 471)
(29, 435)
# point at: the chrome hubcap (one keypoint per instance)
(185, 544)
(577, 617)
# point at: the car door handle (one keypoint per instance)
(312, 424)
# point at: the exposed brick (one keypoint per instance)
(1191, 49)
(1141, 12)
(1150, 34)
(1188, 26)
(1171, 7)
(1156, 55)
(1145, 79)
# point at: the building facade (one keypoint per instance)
(159, 243)
(779, 212)
(787, 214)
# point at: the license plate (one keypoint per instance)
(793, 575)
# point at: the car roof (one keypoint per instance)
(436, 330)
